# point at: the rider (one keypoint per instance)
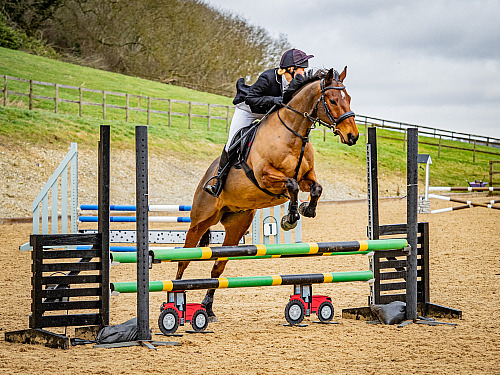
(254, 102)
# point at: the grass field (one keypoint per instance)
(42, 126)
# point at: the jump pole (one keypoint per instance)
(131, 208)
(470, 188)
(245, 282)
(272, 250)
(133, 219)
(141, 152)
(467, 202)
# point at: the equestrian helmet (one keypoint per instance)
(295, 57)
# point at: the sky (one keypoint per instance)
(429, 62)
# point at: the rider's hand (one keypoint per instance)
(278, 100)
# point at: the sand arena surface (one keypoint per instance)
(250, 337)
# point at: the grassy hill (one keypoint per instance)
(18, 125)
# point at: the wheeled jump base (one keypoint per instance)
(245, 282)
(313, 248)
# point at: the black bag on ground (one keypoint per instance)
(392, 313)
(118, 333)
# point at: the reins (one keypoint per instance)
(316, 120)
(305, 139)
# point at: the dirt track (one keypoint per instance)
(250, 337)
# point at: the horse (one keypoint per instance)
(282, 161)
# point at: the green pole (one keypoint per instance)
(212, 253)
(130, 257)
(245, 282)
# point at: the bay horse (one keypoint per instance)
(282, 161)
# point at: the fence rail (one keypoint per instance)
(105, 104)
(106, 98)
(428, 131)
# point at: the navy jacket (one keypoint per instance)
(261, 95)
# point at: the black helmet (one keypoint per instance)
(295, 57)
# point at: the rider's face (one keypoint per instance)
(300, 71)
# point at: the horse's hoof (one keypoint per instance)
(212, 319)
(306, 211)
(286, 225)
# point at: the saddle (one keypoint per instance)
(241, 146)
(242, 143)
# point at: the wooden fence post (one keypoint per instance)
(404, 140)
(80, 101)
(103, 105)
(5, 90)
(491, 173)
(439, 149)
(31, 95)
(169, 112)
(474, 152)
(324, 134)
(208, 124)
(127, 107)
(227, 120)
(56, 99)
(149, 110)
(189, 124)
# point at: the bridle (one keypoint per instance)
(313, 117)
(316, 120)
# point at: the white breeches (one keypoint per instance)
(242, 117)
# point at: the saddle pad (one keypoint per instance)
(245, 143)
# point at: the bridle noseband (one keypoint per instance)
(316, 120)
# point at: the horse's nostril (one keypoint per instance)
(352, 138)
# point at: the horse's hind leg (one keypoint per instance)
(289, 221)
(236, 225)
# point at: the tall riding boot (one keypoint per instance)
(224, 167)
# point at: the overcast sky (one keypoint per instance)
(427, 62)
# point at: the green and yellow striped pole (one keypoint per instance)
(245, 282)
(268, 251)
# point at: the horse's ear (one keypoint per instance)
(329, 77)
(343, 74)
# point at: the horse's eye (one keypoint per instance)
(333, 102)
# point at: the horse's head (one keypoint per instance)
(336, 104)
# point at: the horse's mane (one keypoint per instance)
(300, 81)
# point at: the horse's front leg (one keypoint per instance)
(309, 183)
(289, 221)
(273, 178)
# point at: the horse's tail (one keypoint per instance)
(205, 239)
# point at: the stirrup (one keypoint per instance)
(214, 189)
